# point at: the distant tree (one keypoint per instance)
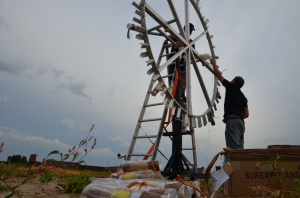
(24, 159)
(17, 159)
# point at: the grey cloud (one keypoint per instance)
(57, 72)
(53, 71)
(11, 68)
(111, 90)
(77, 88)
(3, 22)
(18, 67)
(41, 70)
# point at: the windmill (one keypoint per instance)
(182, 85)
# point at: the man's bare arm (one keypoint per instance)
(246, 112)
(217, 72)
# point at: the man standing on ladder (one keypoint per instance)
(177, 161)
(180, 64)
(235, 109)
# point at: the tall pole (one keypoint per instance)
(175, 163)
(188, 59)
(188, 82)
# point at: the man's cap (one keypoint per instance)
(192, 28)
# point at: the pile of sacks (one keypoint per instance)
(140, 179)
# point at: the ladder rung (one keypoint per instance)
(154, 104)
(159, 26)
(146, 136)
(149, 120)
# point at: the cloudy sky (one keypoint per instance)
(66, 65)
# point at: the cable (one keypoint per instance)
(153, 143)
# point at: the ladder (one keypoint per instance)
(159, 131)
(159, 124)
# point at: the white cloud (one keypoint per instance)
(69, 123)
(15, 136)
(101, 152)
(120, 141)
(13, 140)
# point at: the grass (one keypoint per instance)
(70, 183)
(75, 183)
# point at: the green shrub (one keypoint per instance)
(46, 177)
(3, 187)
(76, 183)
(7, 169)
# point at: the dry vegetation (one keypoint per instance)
(53, 181)
(17, 182)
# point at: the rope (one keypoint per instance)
(153, 143)
(154, 169)
(207, 172)
(191, 185)
(146, 174)
(119, 173)
(137, 183)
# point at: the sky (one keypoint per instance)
(66, 65)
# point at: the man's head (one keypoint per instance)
(192, 28)
(238, 81)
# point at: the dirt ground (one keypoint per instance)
(35, 189)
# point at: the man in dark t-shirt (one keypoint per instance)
(235, 109)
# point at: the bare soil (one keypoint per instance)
(35, 189)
